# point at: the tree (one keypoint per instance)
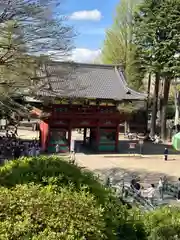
(29, 29)
(158, 46)
(41, 30)
(119, 47)
(175, 95)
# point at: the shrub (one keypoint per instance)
(36, 212)
(32, 178)
(49, 170)
(163, 224)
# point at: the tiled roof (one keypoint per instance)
(86, 81)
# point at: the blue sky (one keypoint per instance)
(90, 18)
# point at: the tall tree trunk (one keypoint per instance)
(176, 118)
(159, 108)
(147, 103)
(164, 108)
(155, 103)
(176, 103)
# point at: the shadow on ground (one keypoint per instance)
(119, 174)
(148, 148)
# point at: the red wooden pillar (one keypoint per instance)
(117, 138)
(69, 134)
(44, 128)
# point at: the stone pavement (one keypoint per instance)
(148, 168)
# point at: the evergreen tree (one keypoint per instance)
(157, 33)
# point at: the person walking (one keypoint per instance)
(151, 191)
(161, 188)
(166, 154)
(57, 148)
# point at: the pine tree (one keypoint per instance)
(157, 33)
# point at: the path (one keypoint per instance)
(148, 168)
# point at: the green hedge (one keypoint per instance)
(52, 190)
(47, 198)
(49, 170)
(36, 212)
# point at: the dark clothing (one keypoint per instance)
(17, 153)
(178, 197)
(166, 154)
(137, 186)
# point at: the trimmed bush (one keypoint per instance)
(36, 212)
(49, 170)
(39, 194)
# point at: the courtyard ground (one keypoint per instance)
(149, 167)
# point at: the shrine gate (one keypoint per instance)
(93, 105)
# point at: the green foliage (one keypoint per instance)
(118, 46)
(163, 224)
(56, 174)
(48, 198)
(49, 170)
(158, 45)
(36, 212)
(156, 35)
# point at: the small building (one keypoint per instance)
(86, 97)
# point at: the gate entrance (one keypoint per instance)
(91, 99)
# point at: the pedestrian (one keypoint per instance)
(57, 148)
(151, 193)
(33, 149)
(165, 184)
(165, 154)
(161, 188)
(109, 182)
(178, 188)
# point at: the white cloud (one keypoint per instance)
(93, 15)
(84, 55)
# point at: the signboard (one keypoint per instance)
(132, 145)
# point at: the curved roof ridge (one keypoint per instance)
(122, 78)
(96, 81)
(99, 65)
